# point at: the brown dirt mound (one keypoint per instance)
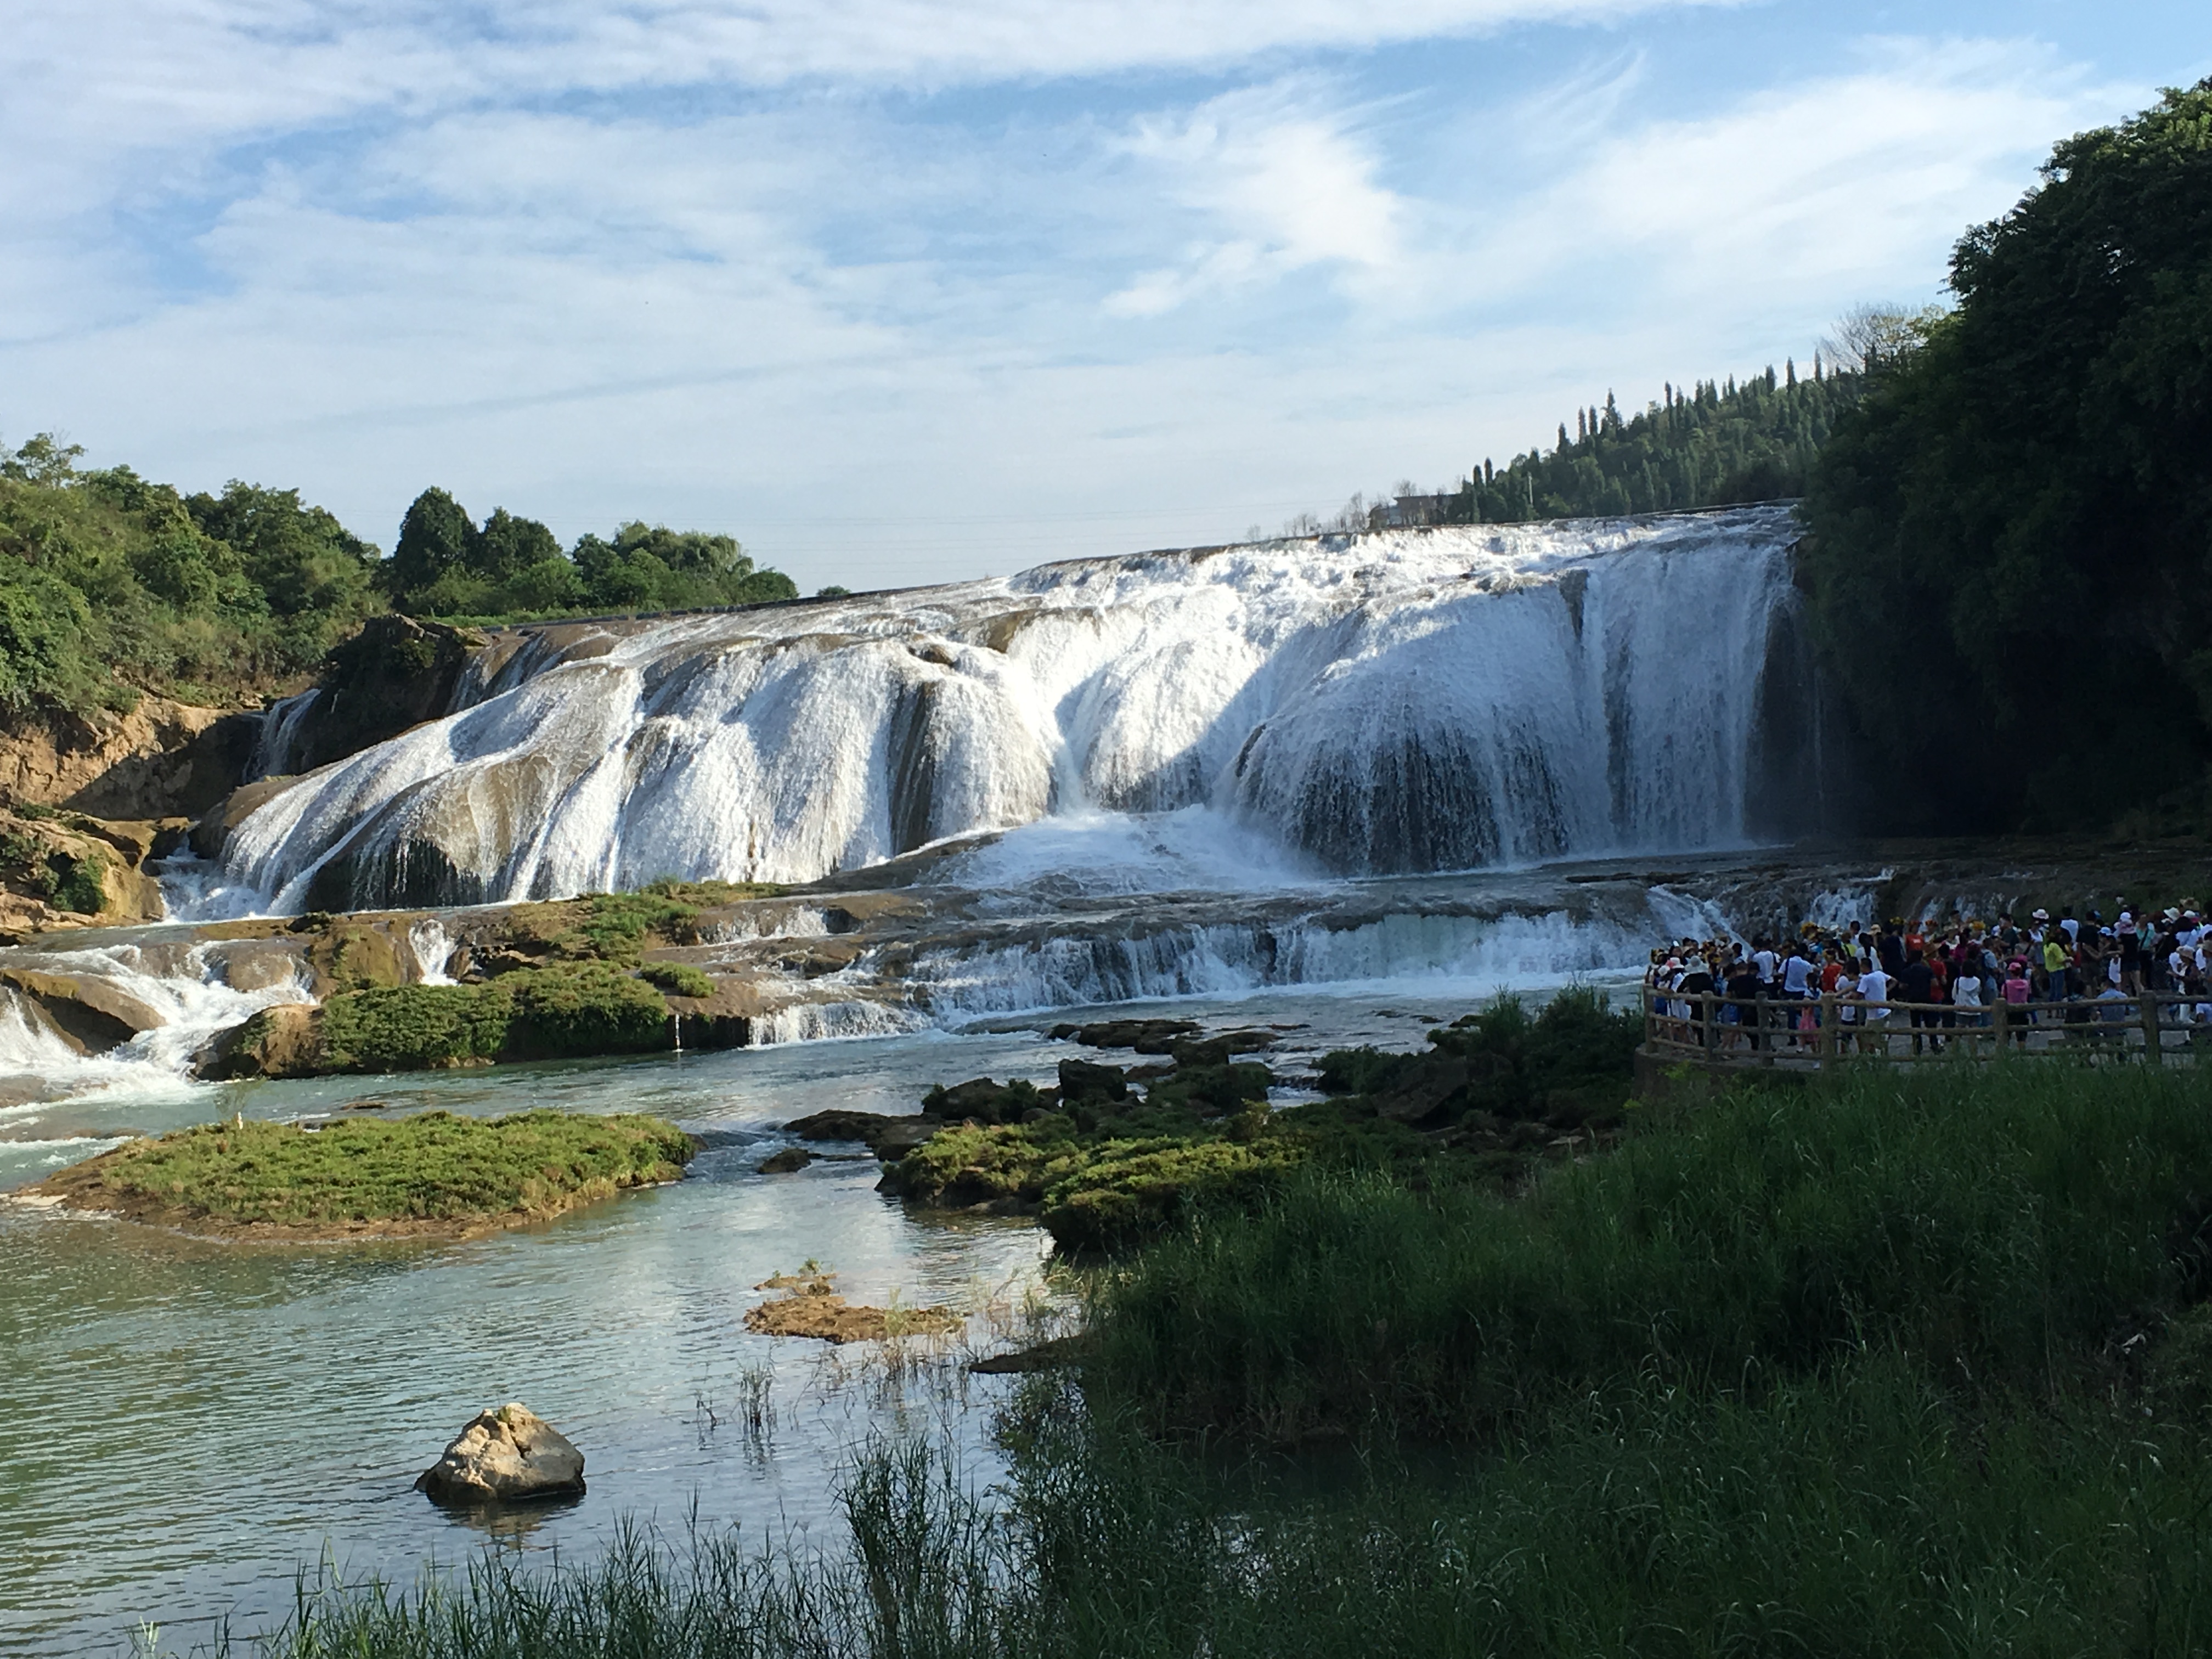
(813, 1308)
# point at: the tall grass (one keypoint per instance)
(1999, 1229)
(1852, 1513)
(1884, 1371)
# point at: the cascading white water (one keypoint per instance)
(433, 948)
(1405, 700)
(275, 750)
(188, 994)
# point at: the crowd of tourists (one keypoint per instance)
(2084, 971)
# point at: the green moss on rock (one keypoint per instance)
(432, 1172)
(677, 979)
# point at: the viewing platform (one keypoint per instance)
(1716, 1032)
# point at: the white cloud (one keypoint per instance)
(1284, 186)
(866, 334)
(1823, 185)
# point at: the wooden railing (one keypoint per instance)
(1710, 1029)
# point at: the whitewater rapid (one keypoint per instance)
(1395, 702)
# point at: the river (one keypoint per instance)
(191, 1424)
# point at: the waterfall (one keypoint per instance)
(186, 989)
(1405, 700)
(433, 948)
(275, 750)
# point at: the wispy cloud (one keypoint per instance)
(1274, 182)
(724, 264)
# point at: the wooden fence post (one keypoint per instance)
(1827, 1030)
(2001, 1024)
(2153, 1047)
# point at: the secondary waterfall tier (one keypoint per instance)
(1400, 702)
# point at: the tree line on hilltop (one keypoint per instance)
(111, 586)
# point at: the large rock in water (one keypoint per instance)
(506, 1456)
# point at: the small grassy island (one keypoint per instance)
(432, 1174)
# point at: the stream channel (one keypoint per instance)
(191, 1424)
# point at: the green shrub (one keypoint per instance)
(1122, 1192)
(677, 979)
(78, 883)
(409, 1028)
(549, 1014)
(587, 1009)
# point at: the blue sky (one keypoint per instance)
(907, 290)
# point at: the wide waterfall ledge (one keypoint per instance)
(1401, 701)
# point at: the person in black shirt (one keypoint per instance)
(1743, 987)
(1916, 984)
(1693, 986)
(1890, 949)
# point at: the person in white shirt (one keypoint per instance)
(1967, 994)
(1873, 986)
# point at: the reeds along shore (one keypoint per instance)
(1885, 1365)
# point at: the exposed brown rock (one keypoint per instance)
(789, 1161)
(813, 1308)
(505, 1456)
(213, 830)
(92, 1015)
(162, 759)
(285, 1040)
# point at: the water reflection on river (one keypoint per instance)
(183, 1423)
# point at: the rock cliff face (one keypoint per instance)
(162, 759)
(395, 673)
(68, 869)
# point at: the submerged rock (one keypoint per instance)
(508, 1455)
(1147, 1036)
(888, 1137)
(789, 1161)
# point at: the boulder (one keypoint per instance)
(789, 1161)
(1147, 1036)
(983, 1100)
(505, 1456)
(92, 1015)
(212, 832)
(286, 1041)
(1082, 1082)
(887, 1137)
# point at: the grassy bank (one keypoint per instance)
(432, 1173)
(1900, 1367)
(1107, 1164)
(2001, 1227)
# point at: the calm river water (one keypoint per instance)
(183, 1425)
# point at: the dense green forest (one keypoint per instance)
(111, 586)
(1710, 445)
(445, 565)
(2011, 540)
